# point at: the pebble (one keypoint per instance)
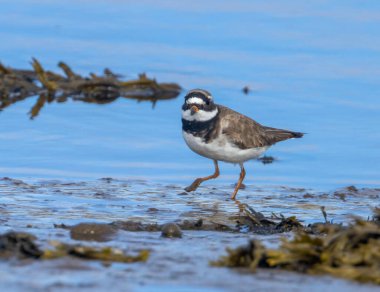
(171, 230)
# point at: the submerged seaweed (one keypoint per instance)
(23, 246)
(351, 252)
(107, 254)
(20, 245)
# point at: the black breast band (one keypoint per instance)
(202, 129)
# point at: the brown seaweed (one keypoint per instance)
(256, 222)
(17, 85)
(18, 244)
(351, 252)
(22, 246)
(107, 254)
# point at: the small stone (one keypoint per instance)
(352, 189)
(246, 89)
(92, 232)
(266, 159)
(242, 186)
(171, 230)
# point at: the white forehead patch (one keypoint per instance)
(200, 91)
(195, 100)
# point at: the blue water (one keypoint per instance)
(313, 67)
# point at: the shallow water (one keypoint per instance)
(312, 67)
(40, 207)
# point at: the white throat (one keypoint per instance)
(200, 116)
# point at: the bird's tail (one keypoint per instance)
(277, 135)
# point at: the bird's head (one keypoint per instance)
(199, 106)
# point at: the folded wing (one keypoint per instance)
(245, 133)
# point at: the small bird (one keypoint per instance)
(221, 134)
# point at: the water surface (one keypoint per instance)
(313, 67)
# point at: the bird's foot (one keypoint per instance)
(193, 186)
(189, 189)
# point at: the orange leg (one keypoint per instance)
(200, 180)
(241, 178)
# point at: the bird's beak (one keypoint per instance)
(194, 109)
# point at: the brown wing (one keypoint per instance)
(246, 133)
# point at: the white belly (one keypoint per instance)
(221, 149)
